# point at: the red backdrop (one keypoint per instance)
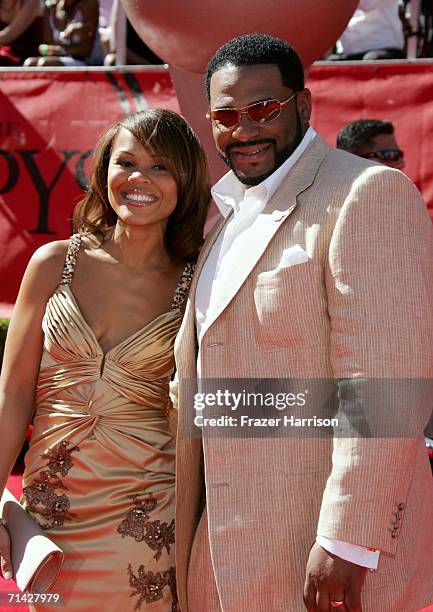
(401, 92)
(49, 122)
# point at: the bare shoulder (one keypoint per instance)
(51, 254)
(45, 267)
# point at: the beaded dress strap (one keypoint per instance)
(183, 287)
(71, 259)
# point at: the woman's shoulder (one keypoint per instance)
(51, 254)
(46, 264)
(54, 253)
(44, 271)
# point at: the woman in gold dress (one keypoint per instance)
(90, 354)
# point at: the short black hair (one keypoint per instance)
(253, 49)
(361, 132)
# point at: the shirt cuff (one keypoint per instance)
(366, 557)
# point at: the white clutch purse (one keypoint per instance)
(36, 560)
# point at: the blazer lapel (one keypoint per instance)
(263, 230)
(279, 207)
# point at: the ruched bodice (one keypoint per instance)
(101, 433)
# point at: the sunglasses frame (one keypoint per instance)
(381, 155)
(244, 110)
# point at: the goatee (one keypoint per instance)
(280, 156)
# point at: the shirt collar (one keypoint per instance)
(229, 192)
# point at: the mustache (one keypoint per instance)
(250, 143)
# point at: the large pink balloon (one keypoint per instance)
(185, 34)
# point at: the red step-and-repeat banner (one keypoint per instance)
(50, 121)
(49, 124)
(401, 92)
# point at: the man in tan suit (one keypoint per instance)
(321, 268)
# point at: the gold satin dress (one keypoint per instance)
(99, 474)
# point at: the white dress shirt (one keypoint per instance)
(375, 24)
(246, 204)
(231, 195)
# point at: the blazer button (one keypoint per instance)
(393, 533)
(401, 506)
(396, 525)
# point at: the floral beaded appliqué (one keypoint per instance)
(156, 534)
(43, 497)
(183, 287)
(149, 586)
(159, 536)
(71, 259)
(133, 524)
(59, 458)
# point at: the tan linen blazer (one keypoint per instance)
(359, 308)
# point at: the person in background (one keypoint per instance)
(104, 25)
(375, 32)
(21, 30)
(125, 45)
(373, 139)
(89, 355)
(72, 37)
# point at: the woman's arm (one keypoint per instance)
(21, 363)
(27, 13)
(23, 351)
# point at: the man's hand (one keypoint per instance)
(331, 579)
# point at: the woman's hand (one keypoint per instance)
(5, 553)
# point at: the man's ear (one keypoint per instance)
(304, 106)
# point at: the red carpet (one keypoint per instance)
(14, 486)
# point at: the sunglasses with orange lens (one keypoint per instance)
(259, 112)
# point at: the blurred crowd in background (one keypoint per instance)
(94, 33)
(69, 33)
